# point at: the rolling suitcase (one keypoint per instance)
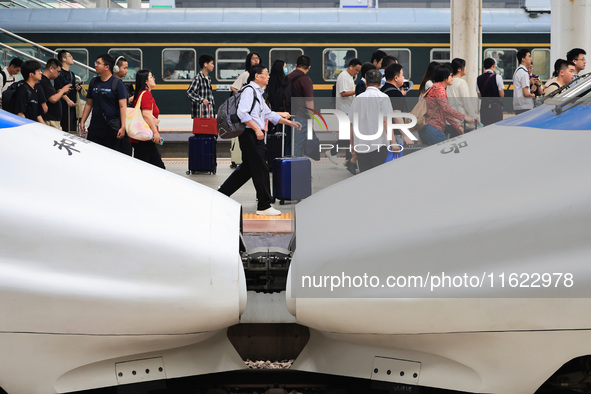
(202, 154)
(292, 177)
(235, 153)
(274, 146)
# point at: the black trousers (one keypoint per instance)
(490, 111)
(108, 138)
(367, 161)
(147, 151)
(68, 121)
(520, 111)
(254, 165)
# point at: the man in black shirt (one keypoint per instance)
(28, 98)
(394, 79)
(66, 77)
(53, 115)
(107, 99)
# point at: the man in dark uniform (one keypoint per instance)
(68, 100)
(28, 98)
(53, 115)
(394, 75)
(490, 88)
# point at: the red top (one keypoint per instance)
(439, 110)
(148, 103)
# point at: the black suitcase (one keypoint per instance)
(274, 146)
(202, 154)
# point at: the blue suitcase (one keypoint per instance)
(292, 178)
(202, 154)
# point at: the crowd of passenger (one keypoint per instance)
(54, 95)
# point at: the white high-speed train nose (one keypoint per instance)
(106, 260)
(463, 266)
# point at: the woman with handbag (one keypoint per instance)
(147, 150)
(438, 109)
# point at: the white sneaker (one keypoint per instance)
(270, 212)
(332, 159)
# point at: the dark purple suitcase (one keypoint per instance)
(202, 154)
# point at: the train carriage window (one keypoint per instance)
(403, 56)
(440, 55)
(80, 55)
(505, 59)
(288, 55)
(134, 59)
(229, 63)
(541, 58)
(178, 64)
(335, 61)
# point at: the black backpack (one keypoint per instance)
(229, 124)
(4, 78)
(8, 97)
(334, 90)
(288, 92)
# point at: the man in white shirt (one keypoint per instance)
(368, 114)
(345, 93)
(253, 112)
(523, 97)
(346, 86)
(8, 75)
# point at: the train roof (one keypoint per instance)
(262, 20)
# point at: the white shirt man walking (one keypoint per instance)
(345, 93)
(368, 114)
(523, 97)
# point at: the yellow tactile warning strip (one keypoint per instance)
(186, 161)
(222, 162)
(254, 216)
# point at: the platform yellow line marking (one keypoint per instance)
(254, 216)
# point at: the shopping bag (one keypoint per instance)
(207, 125)
(135, 125)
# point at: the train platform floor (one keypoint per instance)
(324, 174)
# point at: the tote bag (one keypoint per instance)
(135, 125)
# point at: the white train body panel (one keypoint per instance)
(499, 200)
(105, 258)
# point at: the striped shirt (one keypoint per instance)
(200, 90)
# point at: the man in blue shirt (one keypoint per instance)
(107, 99)
(252, 144)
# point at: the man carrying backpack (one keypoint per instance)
(253, 111)
(107, 99)
(28, 98)
(7, 76)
